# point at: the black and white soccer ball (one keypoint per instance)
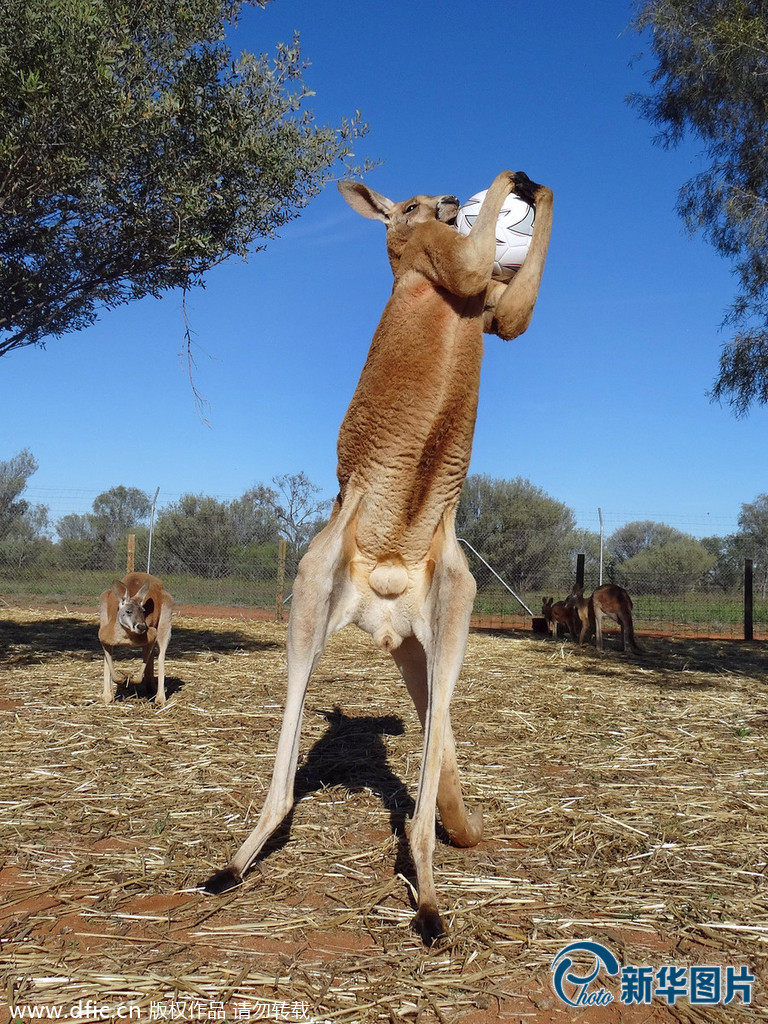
(514, 230)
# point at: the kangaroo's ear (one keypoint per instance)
(141, 595)
(120, 589)
(365, 201)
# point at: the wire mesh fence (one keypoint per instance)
(255, 579)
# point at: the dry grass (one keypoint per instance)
(625, 799)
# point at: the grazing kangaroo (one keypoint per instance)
(388, 560)
(136, 611)
(559, 614)
(609, 600)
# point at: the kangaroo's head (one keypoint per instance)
(400, 219)
(132, 610)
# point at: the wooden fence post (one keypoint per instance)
(748, 601)
(130, 559)
(281, 550)
(580, 559)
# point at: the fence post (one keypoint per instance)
(748, 601)
(281, 550)
(580, 559)
(130, 559)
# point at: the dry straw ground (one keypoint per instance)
(625, 800)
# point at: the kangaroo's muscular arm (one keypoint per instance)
(459, 264)
(509, 306)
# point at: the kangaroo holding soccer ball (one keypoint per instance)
(388, 560)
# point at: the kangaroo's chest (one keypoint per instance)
(407, 436)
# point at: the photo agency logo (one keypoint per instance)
(587, 982)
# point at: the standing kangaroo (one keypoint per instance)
(388, 560)
(608, 600)
(559, 614)
(136, 611)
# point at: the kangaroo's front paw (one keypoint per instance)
(525, 188)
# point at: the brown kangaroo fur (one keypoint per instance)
(609, 600)
(136, 611)
(559, 614)
(388, 560)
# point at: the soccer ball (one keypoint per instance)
(514, 229)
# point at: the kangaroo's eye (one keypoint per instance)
(411, 207)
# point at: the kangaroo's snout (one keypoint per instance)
(131, 617)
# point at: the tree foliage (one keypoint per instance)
(14, 475)
(209, 537)
(119, 510)
(254, 516)
(298, 510)
(196, 531)
(136, 153)
(23, 526)
(516, 527)
(92, 539)
(709, 82)
(752, 538)
(649, 557)
(675, 567)
(633, 538)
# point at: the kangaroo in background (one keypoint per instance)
(559, 614)
(609, 600)
(388, 560)
(136, 611)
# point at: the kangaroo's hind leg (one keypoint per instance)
(463, 828)
(443, 636)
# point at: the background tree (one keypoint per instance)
(75, 526)
(136, 153)
(14, 476)
(752, 539)
(710, 83)
(256, 532)
(653, 558)
(92, 540)
(203, 536)
(254, 517)
(299, 512)
(119, 511)
(675, 567)
(194, 535)
(727, 574)
(23, 527)
(523, 533)
(632, 538)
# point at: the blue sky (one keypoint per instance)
(601, 403)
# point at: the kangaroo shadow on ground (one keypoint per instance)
(129, 690)
(505, 632)
(39, 642)
(352, 755)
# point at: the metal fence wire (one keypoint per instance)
(259, 578)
